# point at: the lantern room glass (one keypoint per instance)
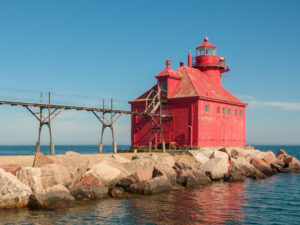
(206, 51)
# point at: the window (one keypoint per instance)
(229, 111)
(164, 85)
(235, 112)
(218, 110)
(224, 110)
(206, 108)
(241, 112)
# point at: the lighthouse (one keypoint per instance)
(202, 112)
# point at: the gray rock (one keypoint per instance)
(240, 167)
(86, 192)
(165, 169)
(192, 178)
(13, 193)
(53, 197)
(216, 168)
(199, 156)
(155, 185)
(43, 177)
(118, 192)
(108, 175)
(183, 163)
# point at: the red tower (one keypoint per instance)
(203, 112)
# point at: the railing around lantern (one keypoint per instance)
(219, 62)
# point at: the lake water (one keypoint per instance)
(275, 200)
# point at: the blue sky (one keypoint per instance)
(115, 48)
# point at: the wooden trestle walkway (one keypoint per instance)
(52, 111)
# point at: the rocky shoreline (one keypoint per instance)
(65, 179)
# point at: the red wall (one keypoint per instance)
(216, 128)
(191, 125)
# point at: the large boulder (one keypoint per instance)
(262, 166)
(143, 161)
(140, 175)
(241, 168)
(277, 165)
(43, 177)
(192, 178)
(216, 168)
(41, 159)
(199, 156)
(168, 160)
(108, 175)
(166, 169)
(270, 157)
(13, 193)
(281, 152)
(155, 185)
(74, 166)
(53, 197)
(183, 163)
(11, 168)
(291, 165)
(89, 187)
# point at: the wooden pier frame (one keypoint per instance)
(38, 109)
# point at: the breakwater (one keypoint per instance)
(74, 176)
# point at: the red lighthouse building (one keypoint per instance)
(202, 112)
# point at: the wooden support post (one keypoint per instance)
(52, 151)
(164, 147)
(37, 147)
(100, 147)
(150, 146)
(115, 147)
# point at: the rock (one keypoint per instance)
(278, 165)
(291, 165)
(216, 168)
(281, 152)
(168, 160)
(183, 163)
(262, 166)
(165, 169)
(200, 158)
(236, 178)
(141, 175)
(40, 160)
(219, 154)
(191, 178)
(145, 156)
(142, 162)
(53, 197)
(240, 168)
(120, 159)
(206, 153)
(11, 168)
(270, 157)
(118, 192)
(108, 174)
(155, 185)
(90, 187)
(42, 177)
(89, 179)
(291, 160)
(13, 193)
(144, 174)
(74, 166)
(234, 154)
